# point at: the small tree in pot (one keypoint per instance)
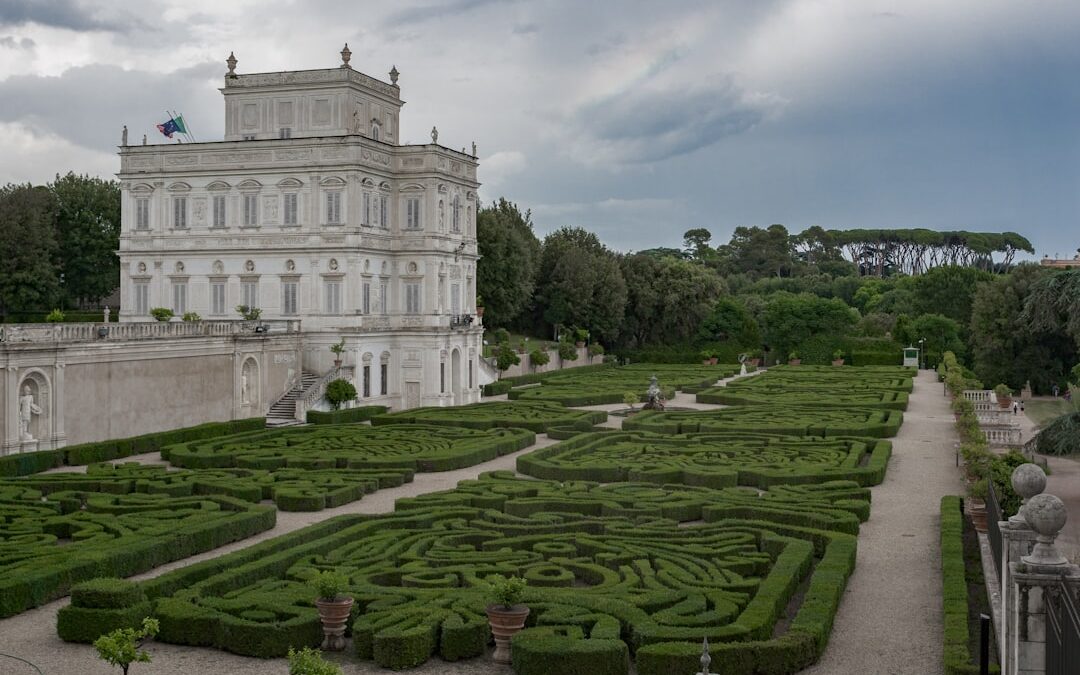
(333, 605)
(793, 358)
(338, 349)
(506, 614)
(1004, 396)
(838, 357)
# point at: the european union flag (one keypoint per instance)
(169, 128)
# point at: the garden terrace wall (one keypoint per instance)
(611, 567)
(505, 384)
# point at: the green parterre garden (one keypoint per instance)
(738, 524)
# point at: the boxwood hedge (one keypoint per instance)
(788, 420)
(536, 416)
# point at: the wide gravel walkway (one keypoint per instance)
(890, 620)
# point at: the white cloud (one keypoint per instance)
(498, 167)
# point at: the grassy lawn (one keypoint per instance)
(1043, 410)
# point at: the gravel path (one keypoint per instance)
(889, 621)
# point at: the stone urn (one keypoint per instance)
(480, 311)
(334, 614)
(505, 623)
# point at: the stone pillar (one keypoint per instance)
(1017, 540)
(1031, 578)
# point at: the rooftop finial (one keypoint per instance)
(345, 56)
(231, 62)
(394, 75)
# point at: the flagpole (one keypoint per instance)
(187, 132)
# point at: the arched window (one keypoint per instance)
(375, 131)
(456, 215)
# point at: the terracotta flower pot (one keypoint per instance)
(480, 311)
(337, 363)
(714, 360)
(755, 362)
(505, 623)
(579, 344)
(334, 614)
(1004, 402)
(976, 508)
(706, 362)
(838, 362)
(794, 362)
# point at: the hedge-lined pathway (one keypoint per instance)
(32, 634)
(890, 620)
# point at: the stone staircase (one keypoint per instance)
(283, 411)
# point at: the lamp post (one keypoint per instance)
(922, 352)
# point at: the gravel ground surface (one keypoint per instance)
(889, 621)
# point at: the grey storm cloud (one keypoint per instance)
(643, 124)
(439, 10)
(62, 14)
(88, 105)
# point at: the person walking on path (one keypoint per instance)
(1016, 407)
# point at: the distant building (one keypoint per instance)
(1061, 263)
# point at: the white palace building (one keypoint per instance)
(312, 210)
(309, 210)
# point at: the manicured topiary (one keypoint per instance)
(339, 392)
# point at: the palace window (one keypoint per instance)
(456, 215)
(384, 297)
(470, 373)
(412, 213)
(366, 297)
(455, 299)
(288, 297)
(412, 298)
(250, 292)
(442, 377)
(219, 211)
(383, 375)
(384, 211)
(180, 212)
(142, 297)
(333, 207)
(217, 297)
(333, 297)
(142, 213)
(367, 381)
(251, 210)
(179, 298)
(289, 210)
(285, 132)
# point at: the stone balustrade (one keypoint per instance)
(976, 395)
(1003, 435)
(311, 397)
(144, 330)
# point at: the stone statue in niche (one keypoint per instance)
(244, 399)
(356, 120)
(27, 409)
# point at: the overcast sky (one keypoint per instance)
(636, 119)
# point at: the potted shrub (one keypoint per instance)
(161, 313)
(191, 316)
(334, 606)
(755, 358)
(248, 313)
(1004, 396)
(580, 337)
(714, 358)
(506, 614)
(55, 316)
(838, 357)
(706, 357)
(338, 349)
(793, 358)
(976, 503)
(479, 306)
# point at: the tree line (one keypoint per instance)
(772, 294)
(58, 242)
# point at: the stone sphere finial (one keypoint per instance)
(231, 63)
(1046, 515)
(1027, 480)
(394, 75)
(345, 56)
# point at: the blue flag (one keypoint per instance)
(169, 128)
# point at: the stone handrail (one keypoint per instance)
(141, 330)
(989, 417)
(313, 394)
(986, 406)
(974, 395)
(1003, 435)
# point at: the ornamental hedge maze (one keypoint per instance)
(609, 385)
(611, 575)
(807, 420)
(536, 416)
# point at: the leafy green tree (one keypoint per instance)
(759, 252)
(948, 291)
(28, 274)
(667, 299)
(1054, 302)
(506, 273)
(340, 391)
(729, 320)
(120, 648)
(579, 283)
(697, 246)
(88, 234)
(790, 319)
(941, 334)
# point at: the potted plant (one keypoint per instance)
(706, 357)
(976, 503)
(479, 306)
(161, 313)
(506, 614)
(191, 316)
(755, 358)
(249, 313)
(338, 349)
(793, 358)
(55, 316)
(838, 357)
(580, 336)
(1004, 396)
(333, 605)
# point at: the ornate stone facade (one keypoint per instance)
(311, 210)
